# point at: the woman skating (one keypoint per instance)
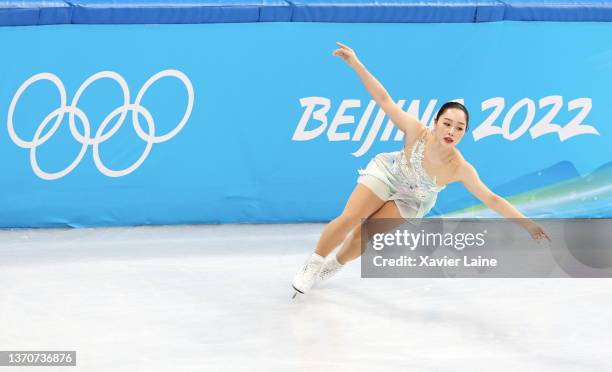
(402, 184)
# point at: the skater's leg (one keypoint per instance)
(362, 203)
(388, 218)
(351, 249)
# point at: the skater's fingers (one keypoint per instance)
(343, 46)
(341, 54)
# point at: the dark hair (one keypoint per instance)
(454, 105)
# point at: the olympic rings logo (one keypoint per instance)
(100, 136)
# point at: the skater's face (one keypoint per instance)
(450, 127)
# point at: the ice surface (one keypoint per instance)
(218, 298)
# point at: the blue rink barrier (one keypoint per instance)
(44, 12)
(228, 136)
(257, 122)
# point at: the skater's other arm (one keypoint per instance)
(469, 177)
(405, 122)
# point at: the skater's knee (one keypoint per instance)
(349, 220)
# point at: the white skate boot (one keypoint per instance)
(308, 274)
(331, 266)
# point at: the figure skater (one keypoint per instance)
(402, 184)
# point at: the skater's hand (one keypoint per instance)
(347, 54)
(537, 233)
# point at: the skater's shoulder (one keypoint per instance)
(465, 170)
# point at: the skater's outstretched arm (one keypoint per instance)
(410, 125)
(468, 175)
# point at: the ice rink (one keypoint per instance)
(218, 298)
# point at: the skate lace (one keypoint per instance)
(309, 268)
(327, 272)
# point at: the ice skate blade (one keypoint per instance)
(296, 292)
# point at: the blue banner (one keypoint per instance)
(215, 123)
